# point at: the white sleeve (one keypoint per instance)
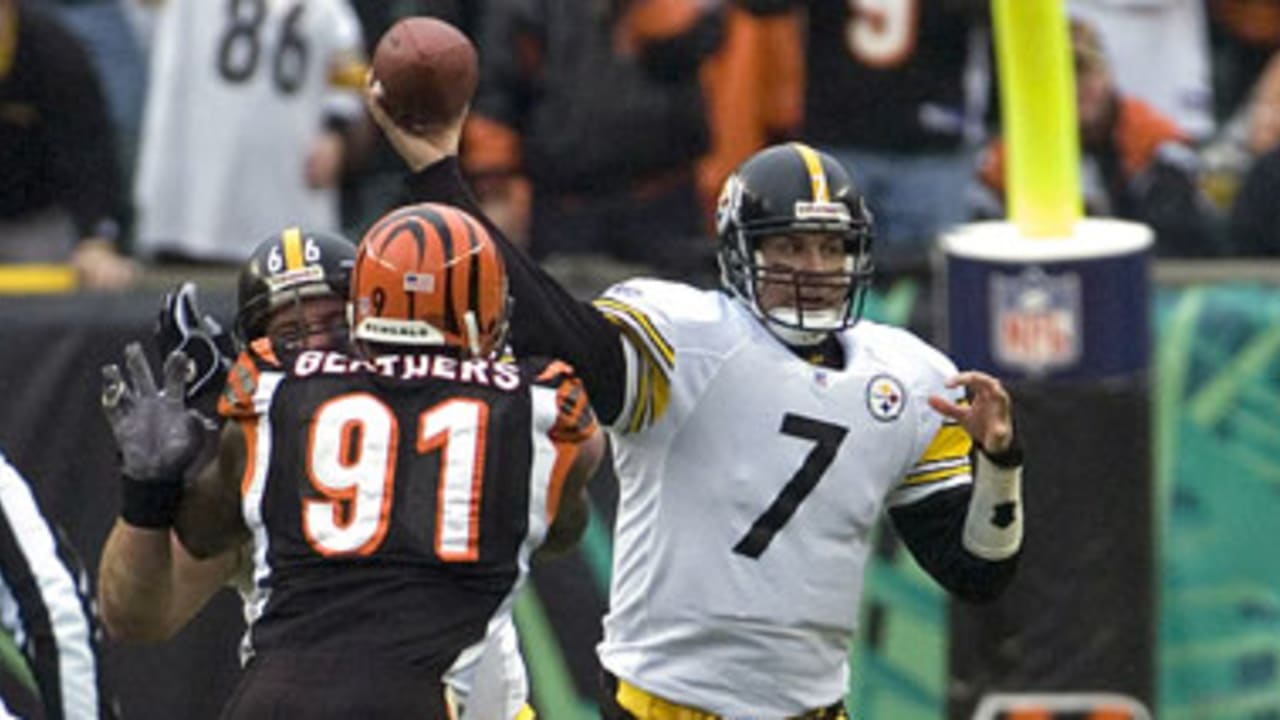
(647, 333)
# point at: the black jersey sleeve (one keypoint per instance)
(546, 319)
(932, 530)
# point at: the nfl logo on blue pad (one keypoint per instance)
(1035, 320)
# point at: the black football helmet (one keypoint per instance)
(787, 189)
(289, 267)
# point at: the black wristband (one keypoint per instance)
(150, 503)
(1011, 457)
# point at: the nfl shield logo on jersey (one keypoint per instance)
(1035, 320)
(885, 398)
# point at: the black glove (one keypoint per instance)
(181, 327)
(156, 434)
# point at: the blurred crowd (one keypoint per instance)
(135, 133)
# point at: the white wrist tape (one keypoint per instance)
(993, 526)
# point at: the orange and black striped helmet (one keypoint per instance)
(430, 275)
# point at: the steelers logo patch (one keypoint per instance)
(885, 398)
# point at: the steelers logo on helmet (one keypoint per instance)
(729, 202)
(429, 275)
(885, 398)
(794, 191)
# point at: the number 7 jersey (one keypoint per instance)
(750, 482)
(395, 503)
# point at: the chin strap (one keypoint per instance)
(786, 324)
(794, 337)
(473, 333)
(993, 527)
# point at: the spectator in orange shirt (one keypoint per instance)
(1136, 163)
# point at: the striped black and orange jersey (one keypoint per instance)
(395, 502)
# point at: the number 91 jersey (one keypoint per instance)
(395, 503)
(239, 92)
(750, 482)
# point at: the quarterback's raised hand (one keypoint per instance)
(155, 432)
(988, 417)
(418, 150)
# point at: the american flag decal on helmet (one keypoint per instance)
(419, 282)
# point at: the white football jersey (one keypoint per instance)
(750, 482)
(239, 90)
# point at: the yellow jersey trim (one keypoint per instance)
(652, 386)
(946, 457)
(950, 441)
(348, 73)
(655, 341)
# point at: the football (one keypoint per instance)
(428, 71)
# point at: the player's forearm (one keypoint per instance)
(569, 525)
(135, 583)
(548, 320)
(149, 587)
(208, 521)
(934, 531)
(993, 524)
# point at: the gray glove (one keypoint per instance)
(156, 434)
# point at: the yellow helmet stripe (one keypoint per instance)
(292, 241)
(817, 176)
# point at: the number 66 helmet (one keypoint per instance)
(289, 267)
(793, 189)
(429, 275)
